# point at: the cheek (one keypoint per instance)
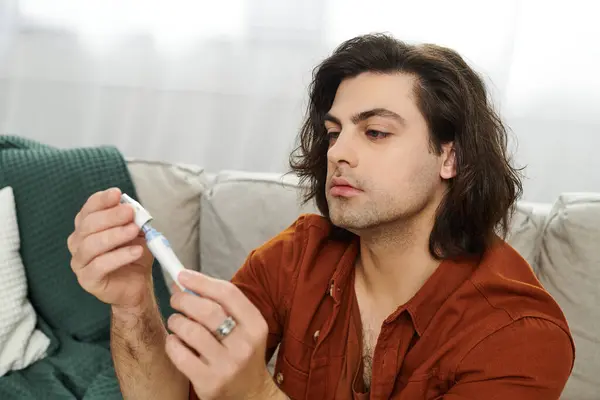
(425, 177)
(405, 173)
(404, 162)
(421, 161)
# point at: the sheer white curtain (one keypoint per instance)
(223, 83)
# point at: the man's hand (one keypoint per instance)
(231, 368)
(109, 254)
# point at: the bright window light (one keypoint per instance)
(169, 22)
(480, 30)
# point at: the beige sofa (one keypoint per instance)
(214, 220)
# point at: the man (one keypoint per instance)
(404, 289)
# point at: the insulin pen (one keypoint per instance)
(159, 245)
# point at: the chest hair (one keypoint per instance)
(369, 340)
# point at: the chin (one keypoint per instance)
(350, 220)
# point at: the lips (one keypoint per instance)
(341, 187)
(340, 182)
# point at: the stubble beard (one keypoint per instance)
(350, 214)
(377, 220)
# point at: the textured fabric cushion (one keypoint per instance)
(569, 269)
(73, 370)
(50, 186)
(241, 212)
(171, 193)
(21, 344)
(526, 231)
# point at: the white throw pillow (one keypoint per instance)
(20, 343)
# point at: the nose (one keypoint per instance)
(342, 150)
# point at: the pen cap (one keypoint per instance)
(141, 215)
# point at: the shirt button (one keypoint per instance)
(279, 378)
(331, 288)
(316, 335)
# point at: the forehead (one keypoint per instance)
(371, 90)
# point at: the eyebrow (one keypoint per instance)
(365, 115)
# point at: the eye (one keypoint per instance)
(377, 134)
(332, 135)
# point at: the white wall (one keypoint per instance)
(234, 98)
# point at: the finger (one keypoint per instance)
(102, 242)
(100, 267)
(225, 293)
(197, 337)
(98, 201)
(104, 219)
(185, 360)
(202, 310)
(99, 221)
(71, 243)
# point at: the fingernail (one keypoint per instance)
(186, 274)
(172, 319)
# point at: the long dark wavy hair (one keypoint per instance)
(479, 201)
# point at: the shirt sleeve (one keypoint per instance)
(530, 359)
(268, 277)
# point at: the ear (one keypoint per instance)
(448, 170)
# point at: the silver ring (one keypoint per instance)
(225, 328)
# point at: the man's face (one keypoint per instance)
(381, 167)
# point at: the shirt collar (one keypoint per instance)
(448, 276)
(340, 281)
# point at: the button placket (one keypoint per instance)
(384, 363)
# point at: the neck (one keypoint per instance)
(395, 261)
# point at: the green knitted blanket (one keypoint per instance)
(50, 185)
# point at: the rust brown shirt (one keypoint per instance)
(477, 329)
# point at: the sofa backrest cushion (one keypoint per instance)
(171, 193)
(526, 229)
(569, 268)
(240, 212)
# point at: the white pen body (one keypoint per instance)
(161, 249)
(157, 244)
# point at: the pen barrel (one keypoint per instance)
(161, 249)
